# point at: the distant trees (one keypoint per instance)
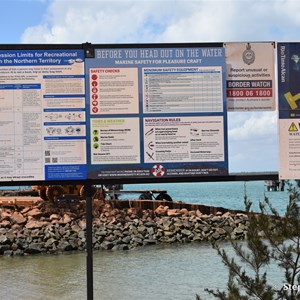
(271, 239)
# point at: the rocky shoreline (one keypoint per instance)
(47, 229)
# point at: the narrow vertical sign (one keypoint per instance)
(289, 109)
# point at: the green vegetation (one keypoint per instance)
(271, 239)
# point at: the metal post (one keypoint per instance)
(89, 240)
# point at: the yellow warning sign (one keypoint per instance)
(293, 127)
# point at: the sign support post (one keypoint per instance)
(89, 193)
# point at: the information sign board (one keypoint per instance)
(127, 112)
(156, 112)
(250, 76)
(42, 115)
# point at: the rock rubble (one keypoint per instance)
(43, 229)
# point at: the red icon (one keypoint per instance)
(94, 97)
(158, 170)
(94, 90)
(95, 109)
(94, 76)
(94, 83)
(95, 103)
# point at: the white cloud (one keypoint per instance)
(253, 141)
(255, 125)
(165, 21)
(99, 22)
(253, 156)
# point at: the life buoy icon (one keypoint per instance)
(158, 170)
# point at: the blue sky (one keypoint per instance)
(16, 16)
(253, 144)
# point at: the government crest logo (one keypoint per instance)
(248, 55)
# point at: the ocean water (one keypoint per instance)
(161, 272)
(165, 272)
(229, 195)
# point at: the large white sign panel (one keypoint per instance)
(289, 132)
(182, 89)
(183, 139)
(250, 76)
(114, 91)
(114, 141)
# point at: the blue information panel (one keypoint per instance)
(288, 55)
(42, 115)
(289, 80)
(156, 112)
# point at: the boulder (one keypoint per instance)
(8, 253)
(82, 224)
(5, 214)
(5, 224)
(18, 252)
(198, 213)
(64, 246)
(150, 241)
(34, 224)
(35, 212)
(173, 213)
(4, 240)
(34, 248)
(107, 245)
(186, 232)
(54, 217)
(65, 219)
(18, 218)
(184, 211)
(11, 235)
(50, 242)
(161, 210)
(126, 239)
